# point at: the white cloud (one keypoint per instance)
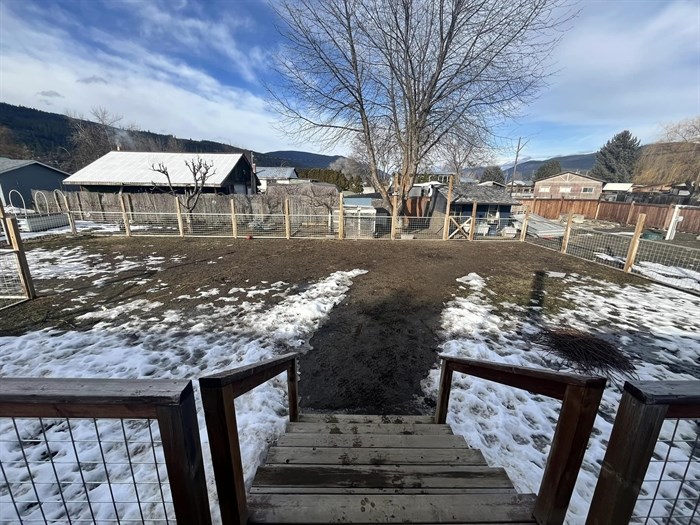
(156, 92)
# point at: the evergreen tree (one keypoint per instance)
(548, 169)
(356, 184)
(615, 162)
(493, 173)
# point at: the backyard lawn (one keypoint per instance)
(368, 317)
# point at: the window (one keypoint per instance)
(587, 190)
(544, 189)
(565, 189)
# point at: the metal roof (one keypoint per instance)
(465, 194)
(133, 168)
(12, 164)
(276, 173)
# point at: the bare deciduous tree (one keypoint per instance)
(189, 195)
(402, 75)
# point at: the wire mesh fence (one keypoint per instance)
(83, 471)
(605, 248)
(11, 289)
(669, 264)
(670, 493)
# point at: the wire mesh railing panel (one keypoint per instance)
(670, 493)
(83, 471)
(261, 225)
(11, 290)
(606, 248)
(420, 228)
(313, 226)
(156, 223)
(668, 263)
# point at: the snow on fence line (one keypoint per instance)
(666, 263)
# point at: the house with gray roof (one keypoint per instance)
(19, 177)
(132, 171)
(275, 175)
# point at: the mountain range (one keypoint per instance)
(47, 137)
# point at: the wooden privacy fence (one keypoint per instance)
(672, 492)
(84, 450)
(658, 215)
(580, 396)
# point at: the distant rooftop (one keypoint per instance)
(118, 168)
(467, 194)
(277, 173)
(12, 164)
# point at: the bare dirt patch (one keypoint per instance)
(375, 347)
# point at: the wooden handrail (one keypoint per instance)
(643, 408)
(170, 402)
(218, 394)
(581, 396)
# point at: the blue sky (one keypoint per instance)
(195, 68)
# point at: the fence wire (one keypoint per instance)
(11, 290)
(83, 471)
(670, 493)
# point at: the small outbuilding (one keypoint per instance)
(275, 175)
(568, 185)
(132, 171)
(19, 177)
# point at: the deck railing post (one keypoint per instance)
(179, 432)
(576, 419)
(222, 429)
(443, 393)
(292, 391)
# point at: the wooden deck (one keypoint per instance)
(381, 469)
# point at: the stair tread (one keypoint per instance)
(369, 428)
(363, 418)
(371, 441)
(374, 456)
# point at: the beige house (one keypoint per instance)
(568, 185)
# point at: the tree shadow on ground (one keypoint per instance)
(371, 356)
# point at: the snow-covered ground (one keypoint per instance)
(218, 328)
(658, 327)
(129, 340)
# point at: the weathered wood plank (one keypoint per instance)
(400, 508)
(370, 441)
(365, 419)
(245, 378)
(106, 398)
(351, 490)
(379, 476)
(368, 428)
(665, 392)
(373, 456)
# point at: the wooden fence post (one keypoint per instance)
(341, 217)
(16, 242)
(597, 210)
(636, 428)
(523, 230)
(234, 220)
(446, 227)
(180, 224)
(472, 227)
(634, 244)
(534, 206)
(71, 219)
(287, 221)
(669, 216)
(125, 216)
(561, 207)
(394, 216)
(183, 457)
(629, 215)
(567, 233)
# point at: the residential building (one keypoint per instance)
(617, 191)
(275, 175)
(568, 185)
(19, 177)
(130, 171)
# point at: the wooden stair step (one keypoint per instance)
(395, 508)
(373, 456)
(368, 428)
(382, 476)
(264, 489)
(371, 441)
(360, 418)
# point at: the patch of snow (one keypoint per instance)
(514, 428)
